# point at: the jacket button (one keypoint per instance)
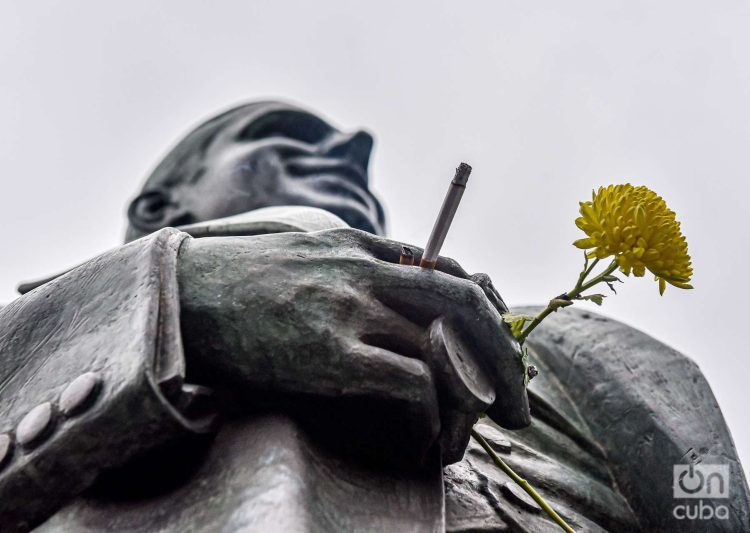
(33, 427)
(79, 394)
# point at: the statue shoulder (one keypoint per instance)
(646, 405)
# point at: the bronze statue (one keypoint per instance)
(255, 359)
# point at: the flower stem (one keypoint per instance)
(586, 286)
(586, 271)
(534, 323)
(521, 482)
(581, 286)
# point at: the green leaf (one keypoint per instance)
(610, 278)
(510, 318)
(596, 298)
(517, 321)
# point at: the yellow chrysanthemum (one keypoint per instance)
(635, 226)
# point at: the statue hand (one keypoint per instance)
(413, 355)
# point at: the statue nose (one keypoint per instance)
(355, 147)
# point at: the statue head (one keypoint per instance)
(259, 155)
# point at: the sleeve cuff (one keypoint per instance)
(91, 375)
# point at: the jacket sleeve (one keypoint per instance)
(91, 368)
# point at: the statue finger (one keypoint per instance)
(463, 383)
(383, 327)
(484, 281)
(423, 295)
(455, 433)
(389, 251)
(459, 377)
(463, 388)
(404, 390)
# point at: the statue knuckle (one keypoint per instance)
(453, 265)
(475, 296)
(482, 279)
(350, 236)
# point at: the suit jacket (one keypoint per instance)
(102, 432)
(139, 451)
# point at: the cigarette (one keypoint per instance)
(445, 217)
(407, 256)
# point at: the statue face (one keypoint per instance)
(255, 156)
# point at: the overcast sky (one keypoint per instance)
(546, 100)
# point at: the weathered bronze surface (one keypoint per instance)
(269, 365)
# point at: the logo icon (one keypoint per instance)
(700, 481)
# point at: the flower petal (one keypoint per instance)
(585, 243)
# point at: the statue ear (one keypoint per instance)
(148, 211)
(154, 209)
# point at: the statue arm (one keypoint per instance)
(92, 364)
(91, 368)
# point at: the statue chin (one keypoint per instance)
(355, 217)
(276, 219)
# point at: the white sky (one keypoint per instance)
(546, 100)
